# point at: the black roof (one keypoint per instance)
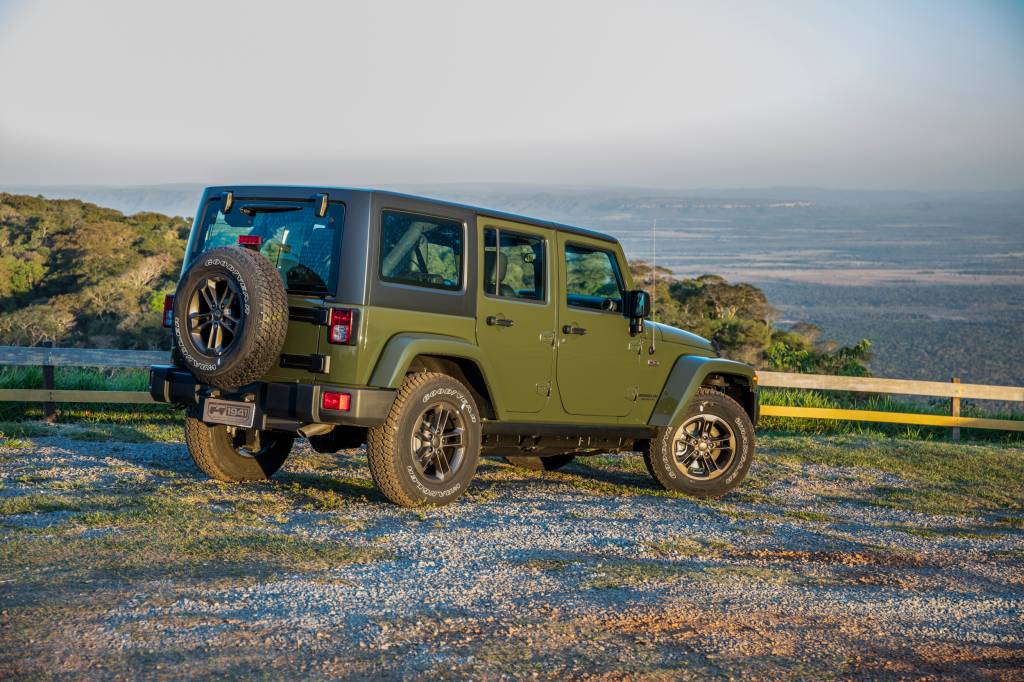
(294, 191)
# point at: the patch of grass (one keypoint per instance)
(680, 546)
(92, 425)
(25, 429)
(977, 533)
(77, 378)
(633, 573)
(1010, 521)
(40, 503)
(940, 477)
(804, 515)
(171, 535)
(36, 504)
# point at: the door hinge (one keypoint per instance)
(544, 389)
(632, 393)
(318, 364)
(318, 316)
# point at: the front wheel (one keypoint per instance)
(221, 452)
(427, 450)
(708, 453)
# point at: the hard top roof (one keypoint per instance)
(295, 191)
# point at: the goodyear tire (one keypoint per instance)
(708, 453)
(428, 448)
(220, 454)
(548, 463)
(230, 317)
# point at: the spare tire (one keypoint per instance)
(230, 317)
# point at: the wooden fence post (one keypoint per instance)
(49, 409)
(955, 405)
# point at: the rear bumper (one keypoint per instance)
(279, 406)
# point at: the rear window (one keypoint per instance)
(301, 245)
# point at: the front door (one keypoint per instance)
(597, 359)
(515, 314)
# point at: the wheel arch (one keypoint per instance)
(691, 372)
(449, 355)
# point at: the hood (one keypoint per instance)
(667, 334)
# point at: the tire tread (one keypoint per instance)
(649, 450)
(382, 445)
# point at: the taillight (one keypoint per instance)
(169, 310)
(250, 241)
(333, 400)
(343, 326)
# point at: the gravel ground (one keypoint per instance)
(586, 573)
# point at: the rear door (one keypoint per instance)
(515, 311)
(301, 238)
(597, 359)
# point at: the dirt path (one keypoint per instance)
(117, 560)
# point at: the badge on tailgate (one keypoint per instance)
(229, 412)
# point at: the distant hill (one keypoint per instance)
(77, 273)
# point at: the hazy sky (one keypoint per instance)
(922, 95)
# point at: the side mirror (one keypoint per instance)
(638, 307)
(638, 304)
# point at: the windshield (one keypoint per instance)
(301, 245)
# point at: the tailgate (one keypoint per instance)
(303, 358)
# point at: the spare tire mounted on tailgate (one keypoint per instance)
(230, 317)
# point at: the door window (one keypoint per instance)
(592, 278)
(421, 250)
(513, 265)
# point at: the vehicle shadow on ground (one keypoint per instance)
(329, 483)
(494, 475)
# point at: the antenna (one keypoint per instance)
(654, 268)
(654, 280)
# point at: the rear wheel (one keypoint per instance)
(427, 450)
(708, 453)
(222, 453)
(534, 463)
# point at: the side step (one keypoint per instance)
(504, 438)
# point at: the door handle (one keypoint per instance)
(569, 329)
(499, 321)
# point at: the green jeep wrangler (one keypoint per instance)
(434, 333)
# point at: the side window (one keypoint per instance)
(592, 279)
(513, 265)
(421, 250)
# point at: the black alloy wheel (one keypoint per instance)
(215, 315)
(438, 443)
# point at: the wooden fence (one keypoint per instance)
(953, 390)
(48, 358)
